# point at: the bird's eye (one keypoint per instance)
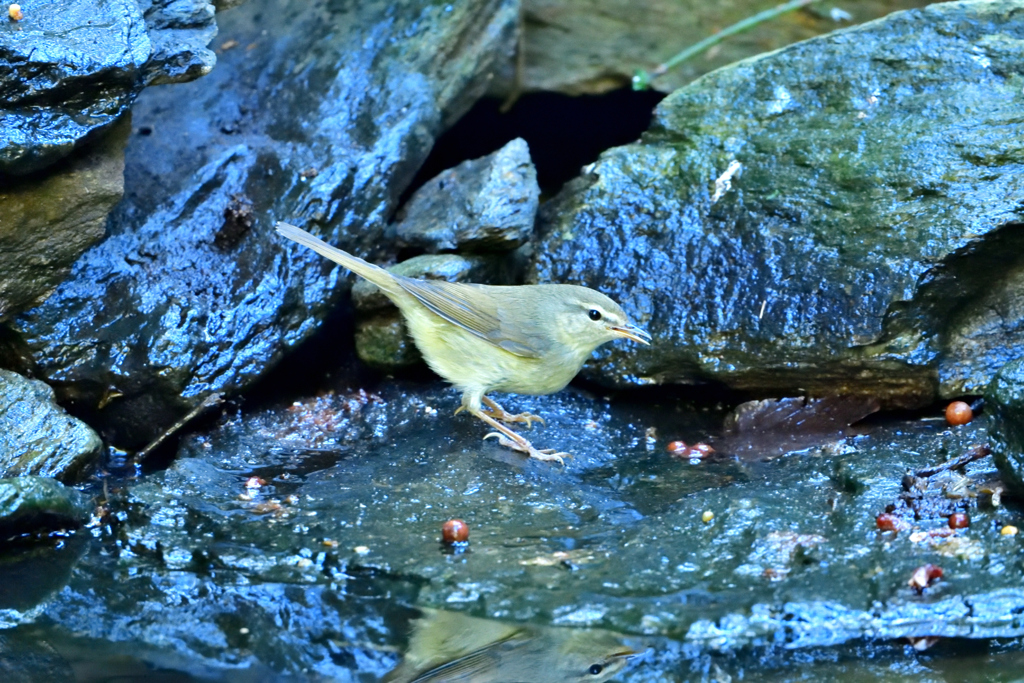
(595, 669)
(594, 315)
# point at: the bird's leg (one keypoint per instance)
(499, 413)
(471, 399)
(509, 439)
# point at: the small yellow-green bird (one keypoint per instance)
(526, 339)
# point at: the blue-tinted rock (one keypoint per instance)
(486, 204)
(1004, 402)
(321, 116)
(37, 437)
(179, 31)
(870, 242)
(66, 69)
(71, 68)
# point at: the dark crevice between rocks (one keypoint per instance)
(319, 364)
(564, 132)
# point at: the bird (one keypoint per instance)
(451, 647)
(521, 339)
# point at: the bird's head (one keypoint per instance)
(585, 319)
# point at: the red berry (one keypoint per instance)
(887, 522)
(958, 413)
(455, 531)
(676, 447)
(959, 520)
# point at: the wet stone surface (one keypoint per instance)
(1004, 400)
(69, 69)
(37, 436)
(46, 224)
(192, 293)
(31, 504)
(842, 215)
(486, 204)
(321, 509)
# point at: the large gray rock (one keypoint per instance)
(870, 242)
(37, 436)
(48, 222)
(193, 293)
(70, 68)
(486, 204)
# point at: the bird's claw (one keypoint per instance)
(544, 455)
(526, 418)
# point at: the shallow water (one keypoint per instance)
(298, 542)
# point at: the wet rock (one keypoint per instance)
(383, 342)
(47, 222)
(28, 662)
(36, 436)
(32, 505)
(825, 218)
(179, 33)
(381, 337)
(69, 69)
(1004, 401)
(193, 293)
(486, 204)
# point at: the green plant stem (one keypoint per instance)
(642, 79)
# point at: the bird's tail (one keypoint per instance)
(374, 274)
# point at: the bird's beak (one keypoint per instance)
(631, 332)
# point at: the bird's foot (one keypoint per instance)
(524, 446)
(499, 413)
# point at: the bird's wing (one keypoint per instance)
(482, 665)
(468, 307)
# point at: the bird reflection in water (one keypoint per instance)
(448, 646)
